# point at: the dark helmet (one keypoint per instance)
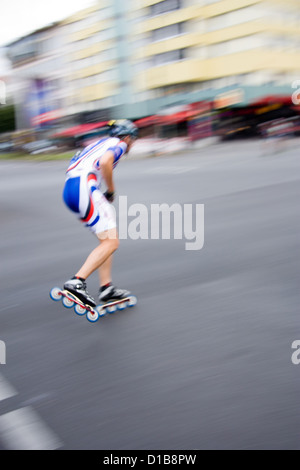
(123, 127)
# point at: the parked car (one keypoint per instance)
(6, 146)
(40, 146)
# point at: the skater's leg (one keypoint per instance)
(105, 277)
(109, 243)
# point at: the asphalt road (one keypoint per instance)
(204, 360)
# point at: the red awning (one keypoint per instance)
(166, 119)
(147, 121)
(272, 99)
(187, 111)
(80, 129)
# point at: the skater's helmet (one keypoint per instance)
(123, 127)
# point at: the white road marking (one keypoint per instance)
(6, 390)
(9, 307)
(23, 430)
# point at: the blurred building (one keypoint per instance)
(5, 82)
(228, 51)
(37, 63)
(146, 57)
(99, 51)
(76, 71)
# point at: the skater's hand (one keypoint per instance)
(110, 196)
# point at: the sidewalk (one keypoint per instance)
(147, 148)
(152, 148)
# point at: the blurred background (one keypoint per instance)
(194, 71)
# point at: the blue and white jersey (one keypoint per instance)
(89, 160)
(82, 191)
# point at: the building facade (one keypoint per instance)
(37, 65)
(192, 50)
(140, 57)
(99, 72)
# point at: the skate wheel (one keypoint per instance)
(111, 309)
(93, 316)
(55, 293)
(101, 310)
(122, 306)
(68, 303)
(79, 309)
(132, 301)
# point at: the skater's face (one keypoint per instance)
(129, 141)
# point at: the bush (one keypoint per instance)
(7, 119)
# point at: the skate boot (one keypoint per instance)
(77, 287)
(111, 293)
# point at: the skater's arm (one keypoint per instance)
(107, 162)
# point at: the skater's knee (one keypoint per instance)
(111, 244)
(111, 239)
(114, 243)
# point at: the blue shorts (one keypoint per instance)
(82, 196)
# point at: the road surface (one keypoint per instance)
(204, 360)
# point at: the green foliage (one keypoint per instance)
(7, 118)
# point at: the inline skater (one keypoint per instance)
(84, 195)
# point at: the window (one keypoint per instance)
(167, 32)
(165, 6)
(238, 45)
(167, 57)
(104, 35)
(234, 18)
(108, 54)
(142, 65)
(76, 26)
(104, 13)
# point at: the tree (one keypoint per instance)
(7, 118)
